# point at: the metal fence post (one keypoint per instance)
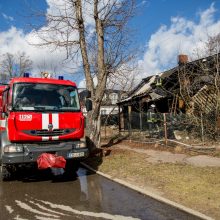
(202, 129)
(129, 120)
(165, 127)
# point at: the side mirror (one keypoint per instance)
(87, 94)
(4, 114)
(9, 107)
(88, 105)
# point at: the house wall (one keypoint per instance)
(106, 110)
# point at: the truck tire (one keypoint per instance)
(6, 173)
(72, 167)
(3, 142)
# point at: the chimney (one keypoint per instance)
(182, 59)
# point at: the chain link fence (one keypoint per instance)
(202, 129)
(108, 120)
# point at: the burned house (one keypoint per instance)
(190, 88)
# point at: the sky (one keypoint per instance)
(163, 29)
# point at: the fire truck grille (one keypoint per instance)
(45, 132)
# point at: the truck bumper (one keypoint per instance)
(28, 153)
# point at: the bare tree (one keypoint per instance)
(3, 78)
(213, 44)
(24, 63)
(15, 65)
(8, 64)
(124, 80)
(97, 30)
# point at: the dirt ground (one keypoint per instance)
(188, 177)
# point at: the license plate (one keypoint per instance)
(73, 155)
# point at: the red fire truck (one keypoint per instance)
(39, 115)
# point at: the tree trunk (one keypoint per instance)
(93, 131)
(103, 50)
(93, 128)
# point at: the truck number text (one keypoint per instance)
(25, 117)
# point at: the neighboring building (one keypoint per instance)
(109, 102)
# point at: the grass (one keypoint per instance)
(194, 187)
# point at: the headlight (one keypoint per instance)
(81, 145)
(13, 149)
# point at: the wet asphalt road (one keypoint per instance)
(86, 195)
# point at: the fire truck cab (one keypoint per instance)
(39, 115)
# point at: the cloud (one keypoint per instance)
(82, 84)
(6, 17)
(15, 40)
(181, 36)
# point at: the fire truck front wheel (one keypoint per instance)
(72, 167)
(7, 172)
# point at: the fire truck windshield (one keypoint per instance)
(44, 97)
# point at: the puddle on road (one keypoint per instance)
(87, 196)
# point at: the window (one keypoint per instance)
(4, 100)
(114, 98)
(103, 112)
(124, 96)
(43, 97)
(104, 97)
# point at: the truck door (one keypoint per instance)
(3, 108)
